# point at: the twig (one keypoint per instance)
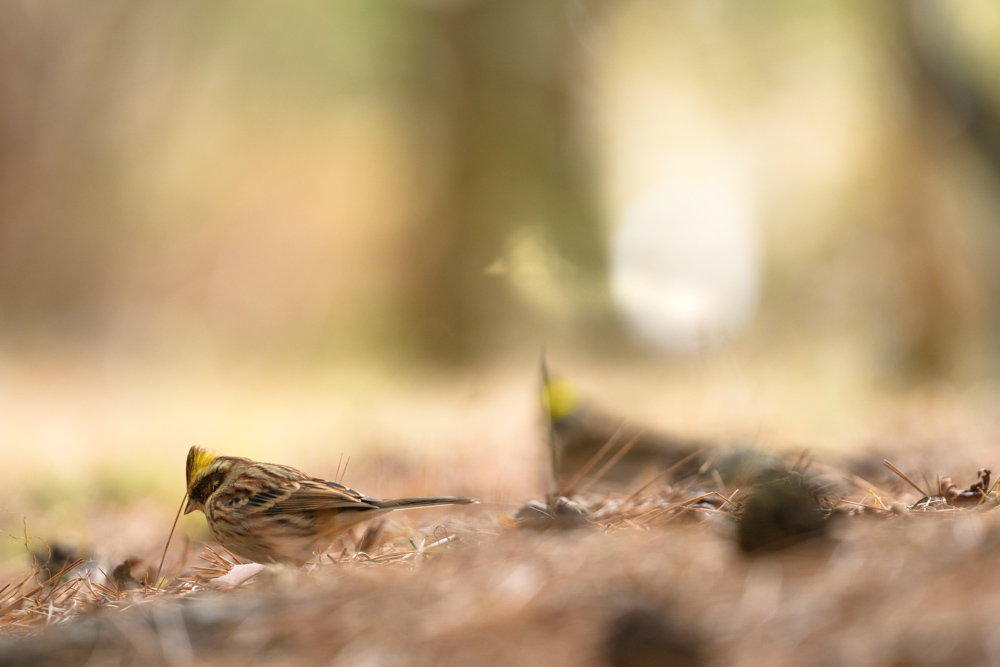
(166, 546)
(903, 476)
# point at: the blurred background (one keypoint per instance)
(296, 231)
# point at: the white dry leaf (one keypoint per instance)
(237, 575)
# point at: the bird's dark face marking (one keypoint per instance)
(205, 485)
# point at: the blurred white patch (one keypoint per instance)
(684, 265)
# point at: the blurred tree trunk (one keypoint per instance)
(59, 162)
(512, 164)
(939, 302)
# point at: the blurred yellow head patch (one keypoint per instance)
(198, 459)
(561, 399)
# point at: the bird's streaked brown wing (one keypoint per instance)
(319, 494)
(276, 489)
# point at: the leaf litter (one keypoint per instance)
(802, 558)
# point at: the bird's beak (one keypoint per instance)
(190, 506)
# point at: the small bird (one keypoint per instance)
(271, 513)
(578, 432)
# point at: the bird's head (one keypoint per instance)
(560, 398)
(205, 472)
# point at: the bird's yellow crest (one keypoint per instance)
(198, 459)
(561, 399)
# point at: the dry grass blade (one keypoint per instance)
(585, 470)
(101, 595)
(336, 475)
(105, 591)
(804, 460)
(217, 564)
(371, 538)
(867, 486)
(906, 479)
(343, 475)
(63, 587)
(662, 475)
(14, 589)
(855, 503)
(927, 482)
(41, 587)
(613, 460)
(644, 519)
(398, 555)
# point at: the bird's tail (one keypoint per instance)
(409, 503)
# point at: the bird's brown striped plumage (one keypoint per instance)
(268, 512)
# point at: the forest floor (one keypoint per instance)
(867, 566)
